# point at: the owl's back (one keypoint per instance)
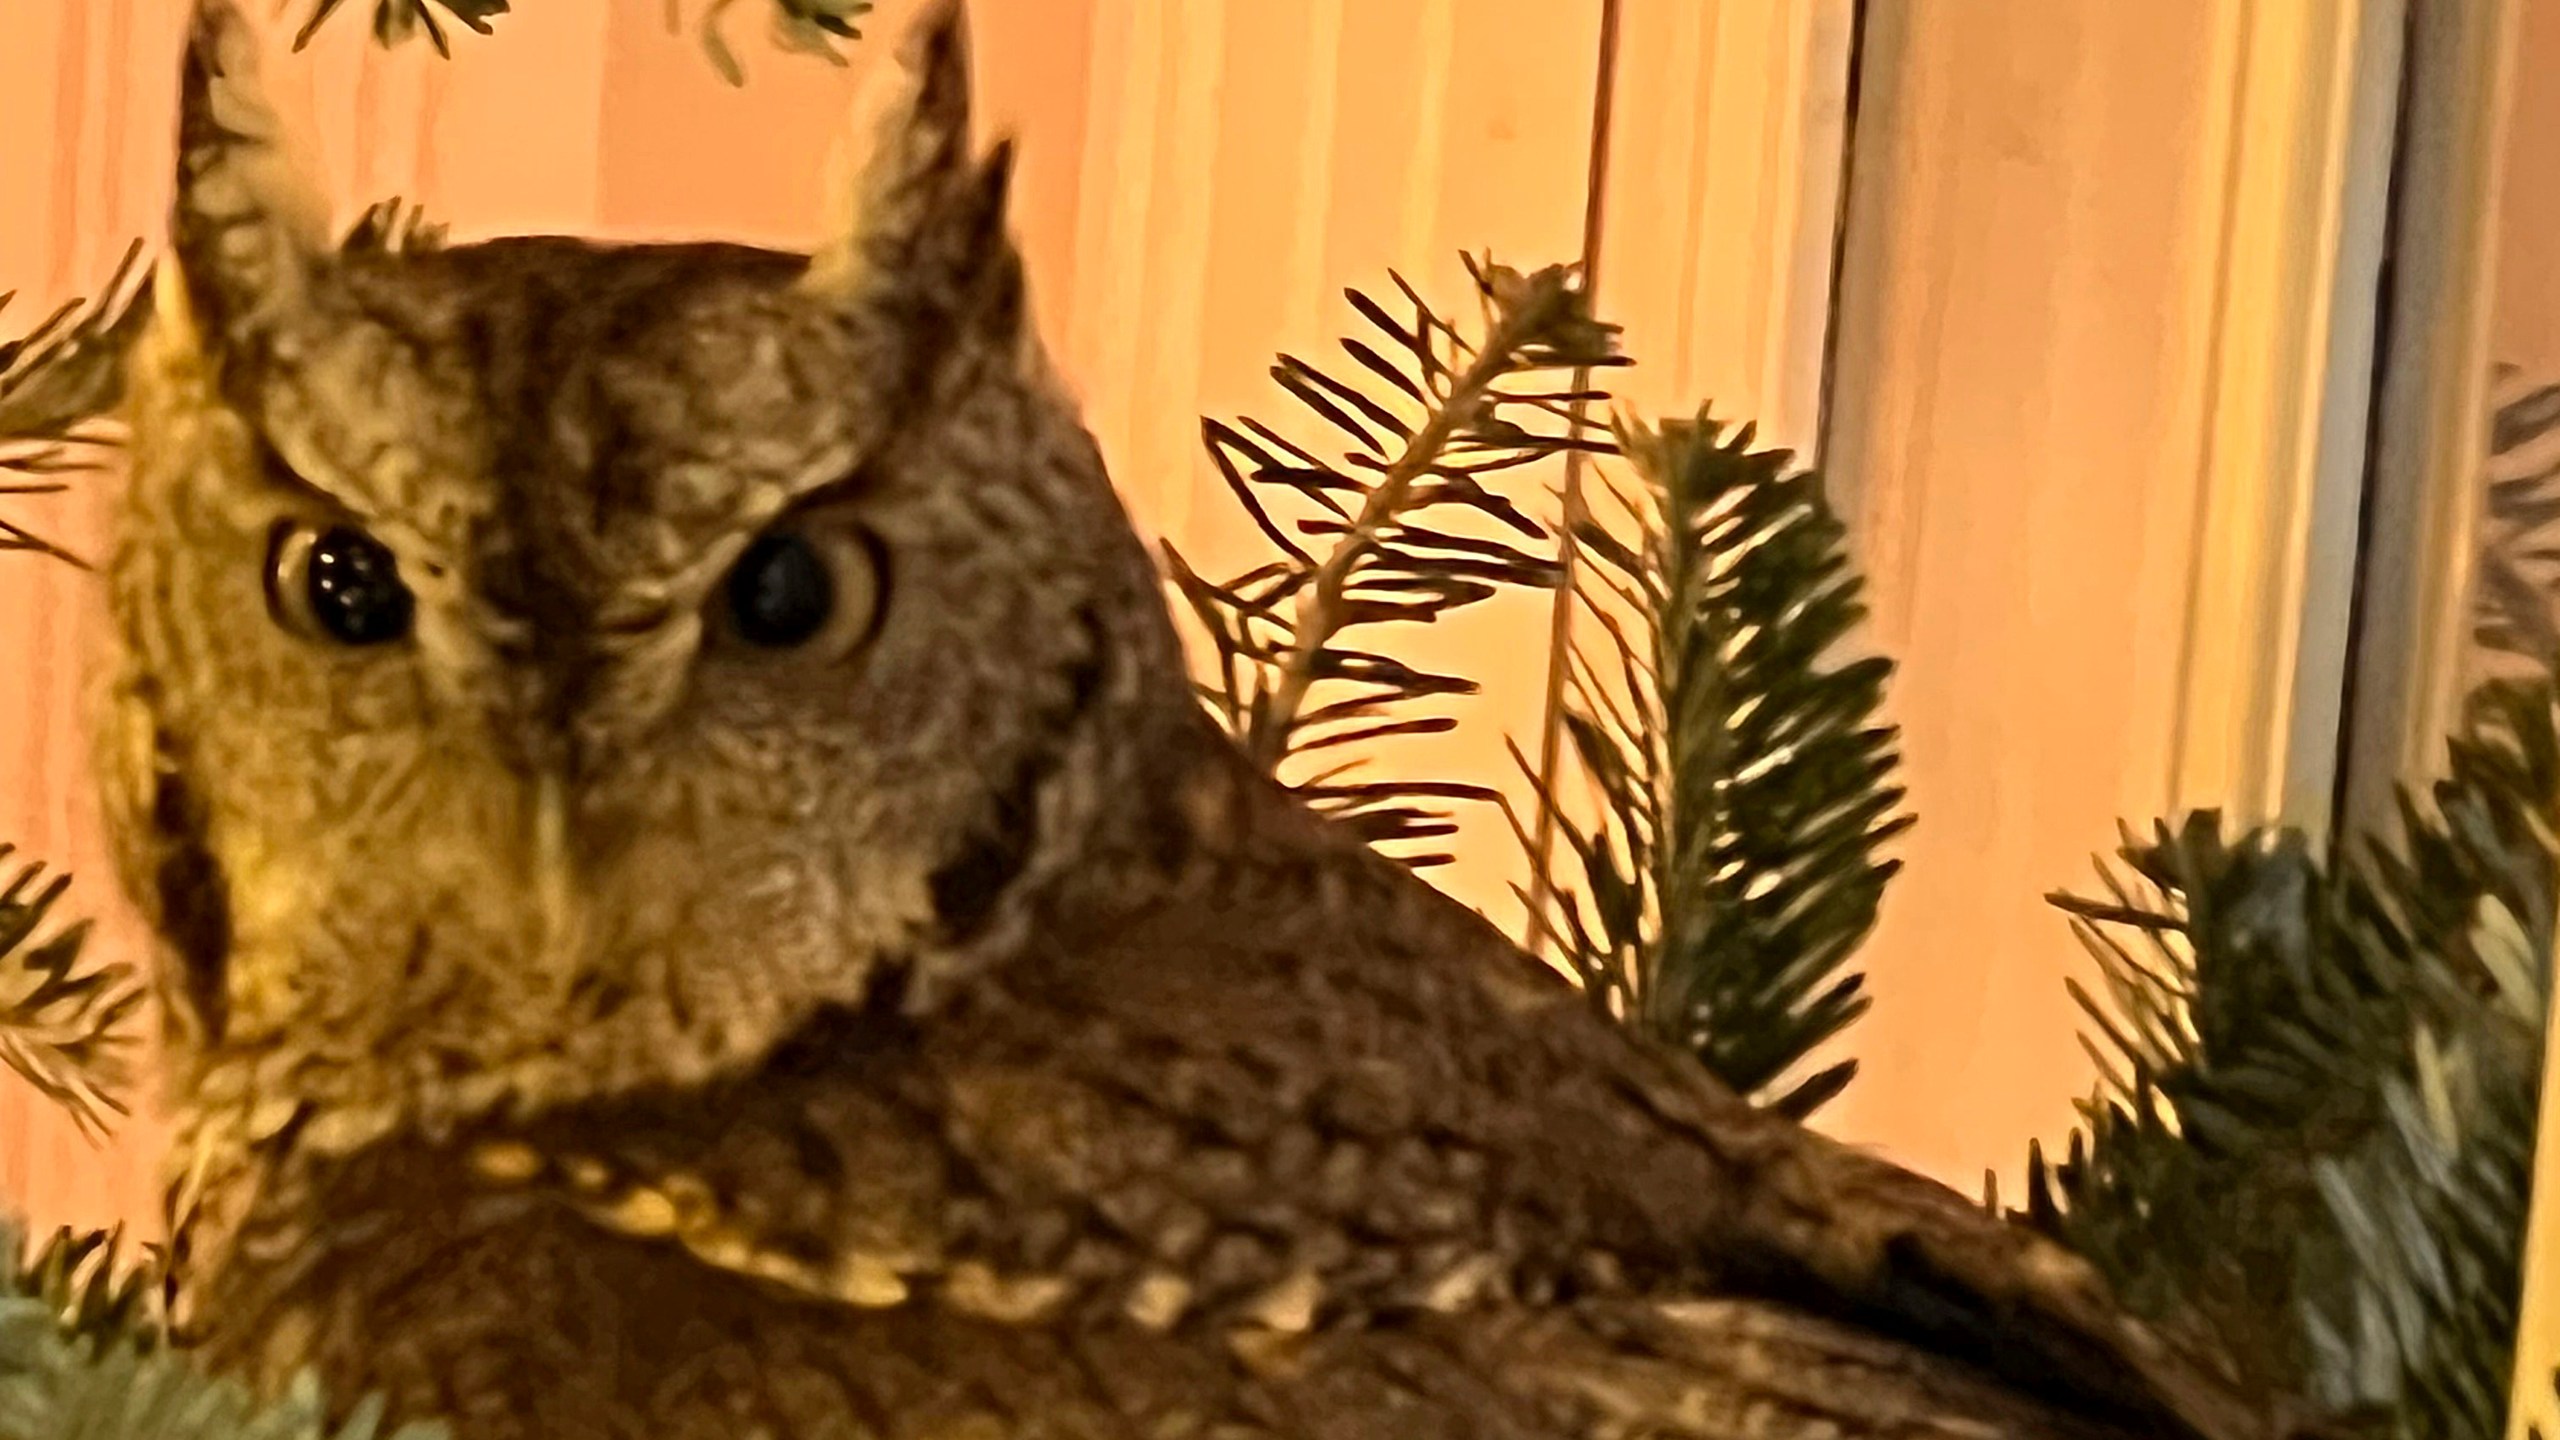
(1300, 1149)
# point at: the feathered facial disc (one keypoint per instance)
(548, 665)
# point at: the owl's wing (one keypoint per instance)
(1855, 1236)
(1702, 1370)
(1678, 1162)
(1310, 1088)
(516, 1320)
(1147, 1146)
(833, 1179)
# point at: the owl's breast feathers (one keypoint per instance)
(1292, 1122)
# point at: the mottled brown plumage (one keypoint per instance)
(593, 1023)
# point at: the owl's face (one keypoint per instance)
(546, 663)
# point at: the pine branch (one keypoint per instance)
(393, 226)
(2316, 1134)
(1425, 427)
(62, 1022)
(84, 1353)
(806, 27)
(395, 22)
(1745, 780)
(810, 27)
(56, 381)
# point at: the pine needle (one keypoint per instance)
(2313, 1151)
(1744, 783)
(806, 27)
(84, 1352)
(1372, 544)
(56, 382)
(62, 1021)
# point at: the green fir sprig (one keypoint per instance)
(84, 1356)
(1746, 782)
(2313, 1148)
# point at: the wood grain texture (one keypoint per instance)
(2501, 289)
(66, 73)
(2090, 294)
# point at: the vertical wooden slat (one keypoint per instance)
(2095, 311)
(1723, 197)
(682, 154)
(1186, 138)
(2415, 616)
(2305, 164)
(1213, 239)
(1032, 63)
(48, 619)
(513, 134)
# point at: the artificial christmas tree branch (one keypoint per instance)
(57, 382)
(2317, 1131)
(60, 382)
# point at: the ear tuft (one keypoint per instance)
(244, 224)
(909, 210)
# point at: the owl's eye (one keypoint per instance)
(337, 584)
(815, 587)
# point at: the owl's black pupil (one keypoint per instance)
(780, 593)
(356, 594)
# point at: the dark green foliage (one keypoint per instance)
(1745, 780)
(62, 1022)
(808, 26)
(2314, 1146)
(1402, 529)
(394, 225)
(82, 1357)
(397, 21)
(56, 382)
(400, 21)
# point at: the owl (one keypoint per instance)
(695, 899)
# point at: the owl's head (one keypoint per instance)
(548, 665)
